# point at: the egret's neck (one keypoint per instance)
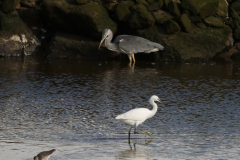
(154, 110)
(111, 46)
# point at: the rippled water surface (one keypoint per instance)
(71, 106)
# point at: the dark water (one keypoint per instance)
(71, 106)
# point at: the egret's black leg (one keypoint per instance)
(135, 131)
(129, 135)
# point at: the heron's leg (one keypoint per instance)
(133, 58)
(130, 58)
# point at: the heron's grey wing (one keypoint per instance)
(134, 44)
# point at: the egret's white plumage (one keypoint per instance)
(137, 116)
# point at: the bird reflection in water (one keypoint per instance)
(135, 151)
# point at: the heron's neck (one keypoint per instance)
(111, 46)
(155, 108)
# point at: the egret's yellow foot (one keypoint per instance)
(146, 132)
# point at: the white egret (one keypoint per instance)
(137, 116)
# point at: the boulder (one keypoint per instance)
(209, 9)
(234, 20)
(28, 3)
(72, 46)
(81, 2)
(185, 23)
(236, 33)
(161, 17)
(155, 6)
(141, 18)
(122, 13)
(191, 6)
(201, 25)
(172, 27)
(10, 5)
(198, 45)
(214, 22)
(89, 19)
(17, 39)
(173, 8)
(236, 6)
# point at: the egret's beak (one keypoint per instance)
(104, 37)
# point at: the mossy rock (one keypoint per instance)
(155, 6)
(214, 22)
(81, 2)
(191, 6)
(236, 33)
(234, 20)
(195, 19)
(10, 5)
(150, 1)
(89, 19)
(12, 23)
(198, 45)
(141, 18)
(223, 8)
(236, 6)
(172, 27)
(142, 2)
(201, 25)
(122, 13)
(173, 8)
(161, 17)
(209, 9)
(185, 23)
(129, 3)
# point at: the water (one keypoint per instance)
(71, 106)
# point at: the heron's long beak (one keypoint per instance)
(104, 37)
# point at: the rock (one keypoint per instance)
(191, 6)
(214, 22)
(195, 19)
(223, 8)
(12, 23)
(155, 6)
(201, 25)
(74, 46)
(10, 5)
(234, 20)
(142, 2)
(198, 45)
(173, 8)
(210, 8)
(110, 7)
(81, 2)
(172, 27)
(161, 17)
(141, 18)
(89, 19)
(236, 33)
(236, 6)
(150, 1)
(185, 23)
(28, 3)
(122, 13)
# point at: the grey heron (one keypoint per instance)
(129, 44)
(137, 116)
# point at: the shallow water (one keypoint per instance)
(71, 106)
